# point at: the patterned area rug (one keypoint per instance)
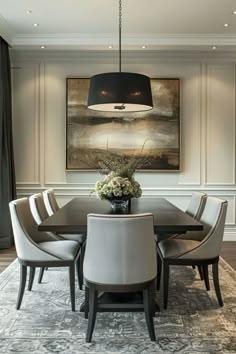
(192, 324)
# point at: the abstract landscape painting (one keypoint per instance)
(153, 134)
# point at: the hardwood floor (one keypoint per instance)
(6, 257)
(228, 252)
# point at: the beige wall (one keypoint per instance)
(207, 124)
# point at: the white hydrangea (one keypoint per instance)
(113, 186)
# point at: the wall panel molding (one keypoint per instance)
(207, 131)
(26, 123)
(220, 124)
(191, 129)
(177, 197)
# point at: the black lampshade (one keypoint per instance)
(120, 92)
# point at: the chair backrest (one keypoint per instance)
(38, 208)
(50, 201)
(120, 249)
(26, 234)
(196, 205)
(213, 219)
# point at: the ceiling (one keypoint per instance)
(93, 24)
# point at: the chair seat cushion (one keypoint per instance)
(66, 250)
(175, 248)
(75, 237)
(195, 235)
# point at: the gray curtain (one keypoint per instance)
(7, 171)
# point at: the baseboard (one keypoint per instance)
(229, 236)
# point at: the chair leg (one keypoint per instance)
(159, 267)
(147, 303)
(82, 257)
(154, 306)
(31, 278)
(79, 273)
(93, 298)
(41, 271)
(215, 274)
(23, 276)
(200, 272)
(72, 286)
(206, 276)
(165, 279)
(86, 304)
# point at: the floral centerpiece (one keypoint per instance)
(118, 183)
(113, 186)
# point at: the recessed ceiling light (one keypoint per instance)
(42, 47)
(110, 47)
(234, 12)
(226, 25)
(29, 12)
(144, 47)
(35, 24)
(214, 48)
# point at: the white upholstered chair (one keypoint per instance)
(201, 248)
(196, 205)
(195, 209)
(50, 201)
(39, 213)
(120, 256)
(52, 207)
(35, 249)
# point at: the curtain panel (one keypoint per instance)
(7, 171)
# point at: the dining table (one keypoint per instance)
(167, 219)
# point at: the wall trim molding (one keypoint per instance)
(35, 118)
(129, 57)
(229, 234)
(88, 39)
(84, 186)
(210, 122)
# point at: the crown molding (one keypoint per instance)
(129, 41)
(128, 57)
(6, 31)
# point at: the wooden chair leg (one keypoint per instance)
(86, 304)
(159, 267)
(147, 303)
(206, 276)
(155, 307)
(72, 286)
(31, 278)
(41, 271)
(165, 275)
(23, 276)
(82, 257)
(200, 272)
(79, 273)
(215, 273)
(93, 298)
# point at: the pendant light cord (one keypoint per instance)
(120, 9)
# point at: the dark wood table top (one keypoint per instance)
(72, 218)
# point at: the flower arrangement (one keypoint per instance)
(118, 182)
(113, 186)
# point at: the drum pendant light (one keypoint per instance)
(120, 91)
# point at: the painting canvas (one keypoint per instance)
(154, 134)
